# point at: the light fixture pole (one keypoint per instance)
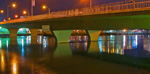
(90, 3)
(31, 8)
(13, 5)
(49, 10)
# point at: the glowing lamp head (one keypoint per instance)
(44, 7)
(16, 16)
(2, 11)
(4, 20)
(9, 18)
(24, 12)
(13, 5)
(124, 30)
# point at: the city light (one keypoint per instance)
(16, 16)
(2, 11)
(124, 30)
(13, 5)
(44, 7)
(4, 20)
(9, 18)
(24, 12)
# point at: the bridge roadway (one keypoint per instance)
(130, 14)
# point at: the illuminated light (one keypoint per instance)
(124, 40)
(44, 7)
(24, 12)
(13, 5)
(108, 50)
(113, 50)
(21, 29)
(2, 11)
(9, 18)
(143, 30)
(0, 27)
(121, 52)
(136, 37)
(22, 47)
(117, 50)
(16, 16)
(7, 43)
(124, 30)
(4, 20)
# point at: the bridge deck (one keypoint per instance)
(117, 7)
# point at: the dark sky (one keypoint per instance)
(55, 5)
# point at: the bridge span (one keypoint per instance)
(129, 14)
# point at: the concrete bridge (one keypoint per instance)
(130, 14)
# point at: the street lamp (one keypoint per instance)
(25, 13)
(16, 16)
(4, 20)
(13, 5)
(44, 7)
(1, 11)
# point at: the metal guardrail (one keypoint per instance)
(116, 7)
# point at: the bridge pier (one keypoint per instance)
(34, 33)
(13, 36)
(94, 34)
(62, 35)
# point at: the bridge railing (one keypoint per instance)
(116, 7)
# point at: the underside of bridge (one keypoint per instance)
(60, 35)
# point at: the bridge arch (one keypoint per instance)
(79, 36)
(23, 31)
(4, 31)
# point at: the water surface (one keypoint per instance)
(43, 55)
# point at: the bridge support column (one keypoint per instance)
(62, 35)
(94, 35)
(13, 36)
(34, 33)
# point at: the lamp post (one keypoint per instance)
(90, 3)
(13, 5)
(44, 7)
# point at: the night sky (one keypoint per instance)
(55, 5)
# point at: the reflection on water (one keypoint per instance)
(13, 56)
(78, 47)
(133, 45)
(79, 36)
(2, 62)
(28, 58)
(14, 64)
